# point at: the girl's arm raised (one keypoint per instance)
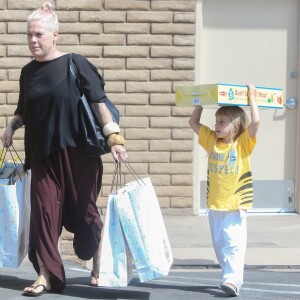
(253, 126)
(195, 119)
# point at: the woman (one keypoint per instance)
(65, 182)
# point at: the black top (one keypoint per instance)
(48, 104)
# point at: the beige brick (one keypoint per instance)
(2, 119)
(9, 86)
(126, 28)
(17, 27)
(2, 27)
(139, 110)
(182, 157)
(67, 16)
(68, 39)
(7, 110)
(3, 4)
(182, 179)
(162, 99)
(169, 122)
(109, 63)
(130, 99)
(172, 51)
(134, 122)
(115, 87)
(2, 51)
(3, 74)
(148, 87)
(182, 134)
(149, 157)
(3, 98)
(12, 98)
(102, 39)
(150, 17)
(125, 51)
(136, 145)
(175, 5)
(78, 5)
(181, 202)
(87, 51)
(182, 111)
(149, 39)
(171, 75)
(13, 63)
(183, 64)
(103, 16)
(24, 4)
(147, 134)
(184, 17)
(173, 191)
(13, 39)
(173, 29)
(170, 168)
(126, 75)
(149, 63)
(126, 5)
(80, 28)
(184, 40)
(171, 145)
(18, 51)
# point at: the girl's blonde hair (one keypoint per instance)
(45, 15)
(237, 118)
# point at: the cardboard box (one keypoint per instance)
(227, 94)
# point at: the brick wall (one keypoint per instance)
(142, 49)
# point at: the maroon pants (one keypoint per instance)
(64, 191)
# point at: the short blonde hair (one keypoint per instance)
(45, 15)
(237, 118)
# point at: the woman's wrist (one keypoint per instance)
(115, 139)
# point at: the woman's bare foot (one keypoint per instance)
(95, 271)
(39, 287)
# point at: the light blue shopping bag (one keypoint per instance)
(115, 259)
(14, 220)
(144, 229)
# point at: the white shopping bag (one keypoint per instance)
(115, 259)
(14, 221)
(144, 229)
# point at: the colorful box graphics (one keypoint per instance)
(227, 94)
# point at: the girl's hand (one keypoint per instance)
(251, 91)
(119, 153)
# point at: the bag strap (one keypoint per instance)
(74, 73)
(3, 155)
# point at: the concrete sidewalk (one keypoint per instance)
(273, 240)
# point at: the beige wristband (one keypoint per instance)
(115, 139)
(110, 128)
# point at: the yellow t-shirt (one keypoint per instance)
(229, 176)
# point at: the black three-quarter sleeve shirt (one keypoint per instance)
(48, 103)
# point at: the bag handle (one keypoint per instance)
(133, 173)
(117, 177)
(3, 155)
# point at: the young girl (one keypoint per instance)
(229, 184)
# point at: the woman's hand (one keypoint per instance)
(119, 153)
(6, 137)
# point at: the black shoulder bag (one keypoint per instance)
(93, 140)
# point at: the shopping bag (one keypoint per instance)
(115, 259)
(14, 219)
(144, 229)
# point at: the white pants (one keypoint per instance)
(229, 237)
